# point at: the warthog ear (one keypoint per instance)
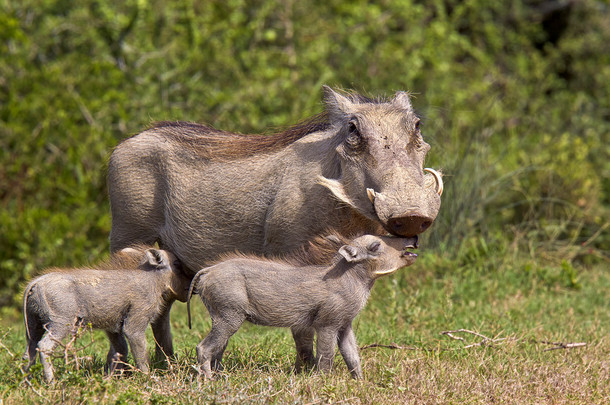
(403, 100)
(155, 258)
(337, 104)
(352, 254)
(128, 251)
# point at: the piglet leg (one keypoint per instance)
(325, 349)
(136, 337)
(212, 347)
(349, 350)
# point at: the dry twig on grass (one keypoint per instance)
(3, 345)
(29, 384)
(486, 341)
(561, 345)
(168, 361)
(390, 346)
(70, 351)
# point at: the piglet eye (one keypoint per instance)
(374, 247)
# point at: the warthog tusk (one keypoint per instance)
(371, 194)
(438, 178)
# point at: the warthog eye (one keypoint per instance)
(417, 125)
(374, 247)
(354, 138)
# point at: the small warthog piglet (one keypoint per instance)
(309, 299)
(121, 297)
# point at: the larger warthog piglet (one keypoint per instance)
(121, 297)
(309, 299)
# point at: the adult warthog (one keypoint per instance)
(201, 192)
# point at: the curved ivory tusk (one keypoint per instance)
(371, 194)
(439, 179)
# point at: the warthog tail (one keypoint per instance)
(193, 283)
(25, 313)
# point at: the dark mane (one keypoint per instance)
(322, 250)
(214, 144)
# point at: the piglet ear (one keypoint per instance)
(351, 254)
(155, 258)
(128, 251)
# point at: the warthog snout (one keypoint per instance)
(409, 225)
(416, 219)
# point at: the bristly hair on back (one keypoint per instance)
(117, 261)
(218, 145)
(320, 251)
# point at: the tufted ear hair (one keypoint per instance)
(337, 105)
(352, 254)
(402, 99)
(129, 251)
(155, 259)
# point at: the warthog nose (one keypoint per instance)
(409, 226)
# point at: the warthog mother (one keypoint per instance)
(201, 192)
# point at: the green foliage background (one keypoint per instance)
(515, 98)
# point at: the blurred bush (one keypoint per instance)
(515, 96)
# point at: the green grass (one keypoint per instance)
(522, 300)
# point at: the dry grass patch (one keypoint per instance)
(518, 371)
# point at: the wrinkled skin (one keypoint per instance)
(322, 300)
(360, 172)
(120, 301)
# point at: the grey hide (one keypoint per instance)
(308, 299)
(120, 301)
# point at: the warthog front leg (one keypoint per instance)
(136, 336)
(349, 350)
(325, 348)
(162, 332)
(303, 339)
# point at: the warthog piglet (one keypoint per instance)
(309, 299)
(121, 297)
